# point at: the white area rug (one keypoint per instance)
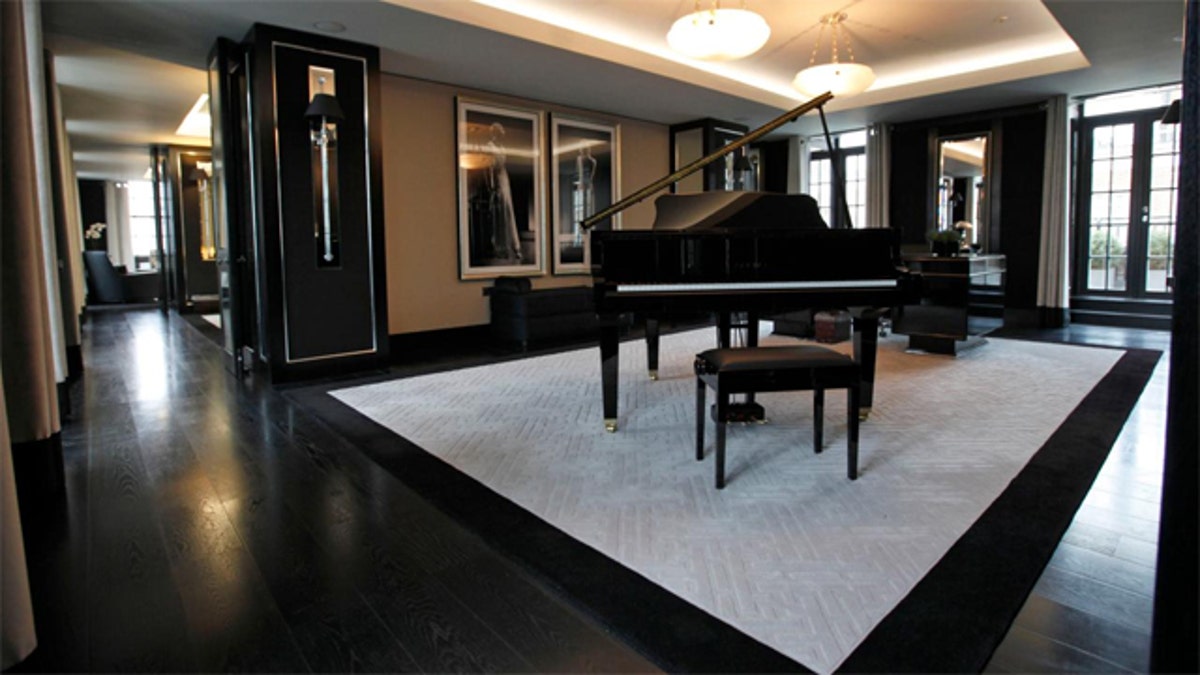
(791, 552)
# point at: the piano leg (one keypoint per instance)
(866, 343)
(652, 333)
(609, 356)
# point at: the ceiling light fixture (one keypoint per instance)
(717, 34)
(842, 79)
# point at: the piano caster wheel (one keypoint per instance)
(654, 376)
(610, 426)
(862, 414)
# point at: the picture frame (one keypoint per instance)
(584, 178)
(501, 193)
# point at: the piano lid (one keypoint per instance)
(740, 210)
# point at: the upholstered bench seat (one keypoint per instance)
(765, 369)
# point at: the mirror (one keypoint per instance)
(962, 189)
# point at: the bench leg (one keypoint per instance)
(852, 433)
(700, 387)
(722, 412)
(818, 419)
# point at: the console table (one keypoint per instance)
(952, 287)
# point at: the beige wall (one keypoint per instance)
(421, 213)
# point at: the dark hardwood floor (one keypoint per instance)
(213, 525)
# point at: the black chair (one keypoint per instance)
(761, 369)
(105, 284)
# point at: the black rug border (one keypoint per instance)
(951, 621)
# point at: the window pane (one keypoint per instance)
(1160, 240)
(1119, 207)
(1123, 140)
(1102, 175)
(142, 241)
(819, 186)
(1116, 274)
(1096, 276)
(1162, 207)
(1139, 99)
(1102, 143)
(1162, 171)
(1166, 138)
(1122, 174)
(1118, 240)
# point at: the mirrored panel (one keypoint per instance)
(962, 188)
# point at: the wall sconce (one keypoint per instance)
(323, 114)
(201, 174)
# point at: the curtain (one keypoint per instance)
(16, 606)
(66, 213)
(879, 174)
(1053, 263)
(25, 341)
(804, 156)
(120, 241)
(40, 134)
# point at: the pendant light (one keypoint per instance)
(719, 34)
(841, 78)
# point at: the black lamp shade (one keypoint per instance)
(1172, 114)
(324, 105)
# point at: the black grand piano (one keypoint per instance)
(739, 252)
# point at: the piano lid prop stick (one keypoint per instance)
(837, 177)
(789, 116)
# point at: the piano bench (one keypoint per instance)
(763, 369)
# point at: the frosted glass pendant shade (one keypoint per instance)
(719, 34)
(842, 79)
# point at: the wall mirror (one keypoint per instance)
(962, 187)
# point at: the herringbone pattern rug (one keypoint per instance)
(791, 552)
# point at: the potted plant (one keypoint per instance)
(945, 243)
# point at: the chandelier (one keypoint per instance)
(717, 34)
(840, 78)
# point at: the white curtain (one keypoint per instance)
(803, 155)
(28, 369)
(41, 156)
(120, 240)
(879, 174)
(1053, 263)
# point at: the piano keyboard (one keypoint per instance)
(716, 287)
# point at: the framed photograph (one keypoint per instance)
(501, 213)
(584, 179)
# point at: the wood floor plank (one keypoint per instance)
(1111, 641)
(1026, 652)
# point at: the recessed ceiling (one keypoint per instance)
(131, 69)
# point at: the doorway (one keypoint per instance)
(1126, 194)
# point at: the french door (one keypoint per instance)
(1127, 187)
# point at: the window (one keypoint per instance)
(849, 158)
(143, 241)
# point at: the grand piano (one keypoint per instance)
(738, 253)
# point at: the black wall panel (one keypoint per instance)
(329, 310)
(910, 198)
(1022, 167)
(317, 318)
